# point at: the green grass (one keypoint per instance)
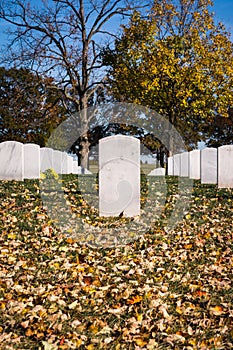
(161, 290)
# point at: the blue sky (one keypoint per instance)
(223, 10)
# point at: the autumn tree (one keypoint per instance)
(221, 131)
(178, 62)
(28, 111)
(64, 38)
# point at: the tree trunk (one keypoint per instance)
(171, 141)
(84, 146)
(84, 151)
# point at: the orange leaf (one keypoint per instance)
(29, 332)
(87, 280)
(62, 341)
(216, 310)
(96, 282)
(179, 333)
(188, 246)
(134, 300)
(200, 293)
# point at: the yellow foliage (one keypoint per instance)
(191, 72)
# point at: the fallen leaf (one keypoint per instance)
(134, 300)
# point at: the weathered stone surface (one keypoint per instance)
(195, 164)
(119, 176)
(225, 166)
(46, 158)
(64, 168)
(69, 164)
(176, 164)
(11, 161)
(157, 172)
(184, 164)
(170, 170)
(57, 161)
(209, 166)
(31, 161)
(76, 169)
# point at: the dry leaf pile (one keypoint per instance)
(164, 290)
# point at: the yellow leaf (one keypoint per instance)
(80, 268)
(2, 305)
(139, 317)
(203, 343)
(140, 341)
(192, 341)
(207, 235)
(90, 347)
(94, 329)
(179, 310)
(78, 342)
(11, 235)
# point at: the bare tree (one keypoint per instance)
(64, 38)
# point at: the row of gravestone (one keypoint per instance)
(119, 169)
(26, 161)
(210, 165)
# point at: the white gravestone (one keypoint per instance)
(176, 164)
(64, 168)
(69, 164)
(209, 166)
(31, 161)
(57, 161)
(184, 164)
(170, 170)
(195, 164)
(119, 176)
(225, 166)
(46, 158)
(157, 172)
(11, 161)
(76, 169)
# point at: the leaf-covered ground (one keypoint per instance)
(164, 290)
